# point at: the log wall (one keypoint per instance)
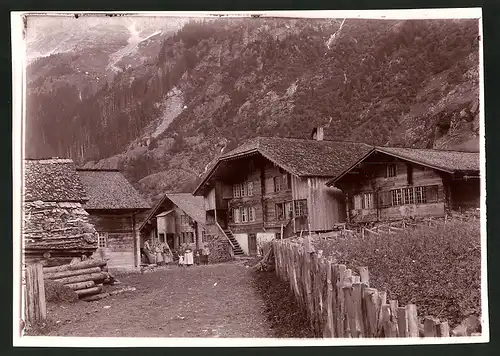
(119, 227)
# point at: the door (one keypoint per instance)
(170, 241)
(252, 244)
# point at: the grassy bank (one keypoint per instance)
(438, 268)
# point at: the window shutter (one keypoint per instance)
(431, 193)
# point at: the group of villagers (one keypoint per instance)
(159, 253)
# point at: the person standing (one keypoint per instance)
(159, 254)
(205, 253)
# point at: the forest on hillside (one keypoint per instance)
(367, 80)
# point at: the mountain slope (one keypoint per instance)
(215, 83)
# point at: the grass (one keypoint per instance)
(438, 268)
(286, 318)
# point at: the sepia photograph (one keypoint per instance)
(249, 179)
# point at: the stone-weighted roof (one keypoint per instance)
(52, 180)
(109, 189)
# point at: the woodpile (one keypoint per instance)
(56, 232)
(220, 249)
(84, 277)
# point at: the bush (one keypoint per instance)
(56, 292)
(438, 268)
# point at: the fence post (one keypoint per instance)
(412, 318)
(36, 308)
(402, 322)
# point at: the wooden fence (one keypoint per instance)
(35, 306)
(341, 304)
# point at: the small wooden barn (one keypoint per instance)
(116, 209)
(392, 183)
(55, 225)
(176, 219)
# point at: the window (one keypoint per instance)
(277, 184)
(186, 220)
(282, 182)
(384, 199)
(244, 214)
(367, 202)
(243, 190)
(396, 197)
(300, 207)
(391, 170)
(408, 196)
(161, 237)
(358, 202)
(236, 215)
(431, 193)
(279, 211)
(250, 189)
(203, 236)
(288, 210)
(420, 195)
(102, 239)
(236, 191)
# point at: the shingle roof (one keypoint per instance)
(446, 160)
(192, 205)
(52, 180)
(443, 160)
(302, 157)
(109, 189)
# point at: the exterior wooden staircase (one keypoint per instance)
(236, 246)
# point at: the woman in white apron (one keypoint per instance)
(188, 257)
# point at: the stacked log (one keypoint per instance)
(85, 277)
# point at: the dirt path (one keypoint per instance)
(200, 301)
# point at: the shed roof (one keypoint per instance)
(52, 180)
(443, 160)
(109, 189)
(302, 157)
(446, 160)
(193, 206)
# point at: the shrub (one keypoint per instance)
(438, 268)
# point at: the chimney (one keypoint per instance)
(318, 134)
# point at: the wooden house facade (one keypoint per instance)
(392, 183)
(55, 228)
(177, 218)
(116, 210)
(269, 185)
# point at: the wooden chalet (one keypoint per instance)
(391, 183)
(272, 185)
(177, 218)
(116, 209)
(55, 226)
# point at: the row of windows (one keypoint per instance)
(243, 214)
(243, 190)
(280, 183)
(396, 197)
(282, 211)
